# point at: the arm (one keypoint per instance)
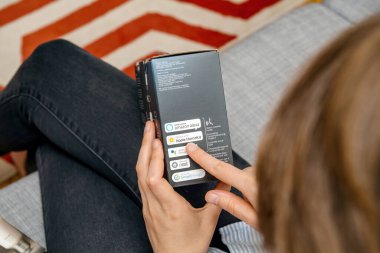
(173, 225)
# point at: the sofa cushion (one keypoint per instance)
(255, 73)
(257, 70)
(354, 10)
(20, 205)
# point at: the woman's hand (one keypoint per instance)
(243, 180)
(173, 225)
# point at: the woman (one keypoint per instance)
(317, 169)
(318, 164)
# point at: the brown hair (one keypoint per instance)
(318, 164)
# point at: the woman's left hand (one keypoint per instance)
(173, 225)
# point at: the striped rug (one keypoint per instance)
(122, 32)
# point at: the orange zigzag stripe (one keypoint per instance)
(244, 10)
(141, 25)
(20, 9)
(67, 24)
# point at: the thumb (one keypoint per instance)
(233, 204)
(212, 209)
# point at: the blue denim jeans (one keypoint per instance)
(81, 117)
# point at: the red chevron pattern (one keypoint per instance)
(138, 27)
(124, 31)
(244, 10)
(20, 9)
(67, 24)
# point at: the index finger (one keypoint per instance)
(223, 171)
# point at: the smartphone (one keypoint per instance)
(183, 94)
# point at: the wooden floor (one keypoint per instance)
(12, 167)
(10, 181)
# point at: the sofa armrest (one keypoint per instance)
(20, 205)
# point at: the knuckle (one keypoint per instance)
(252, 221)
(230, 206)
(145, 141)
(195, 154)
(175, 214)
(250, 189)
(140, 183)
(152, 182)
(139, 169)
(146, 213)
(156, 156)
(218, 166)
(249, 182)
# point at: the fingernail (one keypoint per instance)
(191, 147)
(212, 198)
(147, 126)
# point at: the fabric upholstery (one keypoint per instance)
(20, 205)
(257, 71)
(354, 10)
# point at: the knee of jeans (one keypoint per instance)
(48, 63)
(57, 47)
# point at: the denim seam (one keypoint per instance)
(8, 99)
(77, 137)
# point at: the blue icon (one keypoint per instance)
(169, 127)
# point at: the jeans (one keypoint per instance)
(80, 116)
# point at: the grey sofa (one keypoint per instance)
(256, 72)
